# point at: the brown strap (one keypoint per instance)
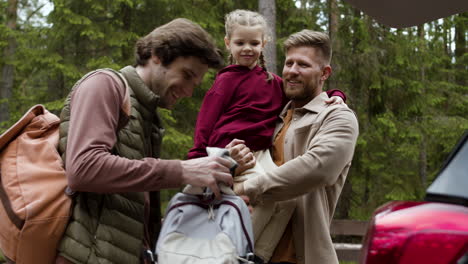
(9, 261)
(14, 218)
(126, 107)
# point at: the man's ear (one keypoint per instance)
(155, 59)
(326, 72)
(227, 42)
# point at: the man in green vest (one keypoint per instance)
(111, 137)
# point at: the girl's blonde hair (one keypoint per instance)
(247, 18)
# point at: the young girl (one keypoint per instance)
(244, 103)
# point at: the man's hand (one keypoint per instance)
(207, 172)
(241, 154)
(246, 200)
(335, 100)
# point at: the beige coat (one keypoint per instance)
(319, 147)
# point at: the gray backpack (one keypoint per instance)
(200, 229)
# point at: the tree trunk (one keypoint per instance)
(366, 195)
(421, 46)
(333, 21)
(344, 205)
(127, 54)
(446, 28)
(6, 84)
(460, 47)
(56, 86)
(333, 32)
(423, 162)
(268, 9)
(422, 76)
(56, 83)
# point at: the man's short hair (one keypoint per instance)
(178, 38)
(309, 38)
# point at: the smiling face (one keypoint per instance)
(176, 80)
(245, 44)
(304, 74)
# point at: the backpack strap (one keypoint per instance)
(119, 78)
(14, 218)
(126, 107)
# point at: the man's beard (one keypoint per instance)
(305, 92)
(298, 93)
(302, 95)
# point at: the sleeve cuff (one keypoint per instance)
(336, 92)
(171, 172)
(251, 188)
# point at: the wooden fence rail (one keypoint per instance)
(346, 228)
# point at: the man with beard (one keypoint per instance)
(314, 145)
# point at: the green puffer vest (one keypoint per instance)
(109, 228)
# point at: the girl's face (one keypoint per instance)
(246, 44)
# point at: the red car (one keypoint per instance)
(431, 232)
(434, 231)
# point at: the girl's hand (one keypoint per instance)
(335, 100)
(241, 154)
(246, 200)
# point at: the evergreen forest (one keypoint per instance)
(407, 86)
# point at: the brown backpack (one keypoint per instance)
(34, 208)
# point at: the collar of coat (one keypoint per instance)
(316, 105)
(144, 95)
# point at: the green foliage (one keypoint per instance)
(55, 106)
(175, 139)
(402, 87)
(409, 90)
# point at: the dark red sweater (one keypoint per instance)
(241, 104)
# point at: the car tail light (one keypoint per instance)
(438, 247)
(379, 244)
(409, 236)
(405, 247)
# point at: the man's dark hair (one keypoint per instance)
(178, 38)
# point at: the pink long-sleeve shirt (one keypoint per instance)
(94, 118)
